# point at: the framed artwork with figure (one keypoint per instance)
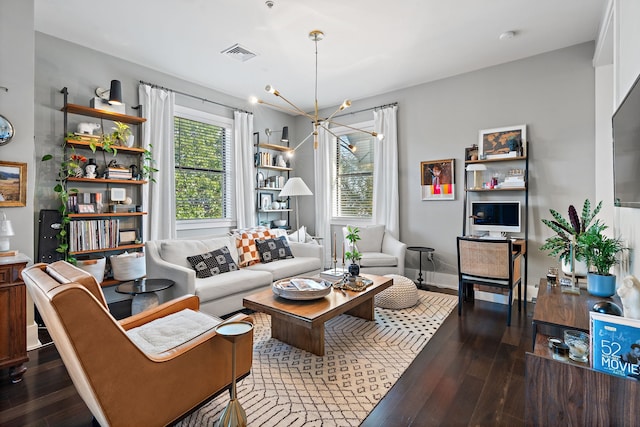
(437, 178)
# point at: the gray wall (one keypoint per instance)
(552, 93)
(62, 64)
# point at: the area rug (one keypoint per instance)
(362, 361)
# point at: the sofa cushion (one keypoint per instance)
(241, 281)
(218, 261)
(177, 251)
(220, 242)
(288, 267)
(273, 249)
(370, 238)
(246, 245)
(378, 259)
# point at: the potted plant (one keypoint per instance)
(353, 255)
(601, 254)
(566, 241)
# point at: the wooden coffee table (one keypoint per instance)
(301, 323)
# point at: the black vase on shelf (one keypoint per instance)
(354, 269)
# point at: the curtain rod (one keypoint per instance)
(195, 97)
(366, 109)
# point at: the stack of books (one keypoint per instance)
(118, 173)
(86, 137)
(513, 181)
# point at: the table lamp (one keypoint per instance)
(477, 174)
(293, 188)
(6, 231)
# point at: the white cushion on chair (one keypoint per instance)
(370, 238)
(402, 294)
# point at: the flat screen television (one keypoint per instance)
(495, 218)
(626, 150)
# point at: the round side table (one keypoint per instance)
(420, 249)
(144, 292)
(233, 415)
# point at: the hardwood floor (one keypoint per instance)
(470, 373)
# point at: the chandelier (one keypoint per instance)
(318, 122)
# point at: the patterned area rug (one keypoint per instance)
(362, 361)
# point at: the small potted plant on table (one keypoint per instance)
(601, 253)
(353, 255)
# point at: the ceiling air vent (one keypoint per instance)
(238, 52)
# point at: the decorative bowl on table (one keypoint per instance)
(301, 288)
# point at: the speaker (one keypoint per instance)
(49, 226)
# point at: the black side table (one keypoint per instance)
(420, 249)
(144, 292)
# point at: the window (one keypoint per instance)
(203, 147)
(353, 186)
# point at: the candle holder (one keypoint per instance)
(233, 415)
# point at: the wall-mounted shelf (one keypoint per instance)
(108, 181)
(106, 214)
(117, 248)
(102, 114)
(275, 168)
(121, 149)
(490, 190)
(274, 210)
(274, 147)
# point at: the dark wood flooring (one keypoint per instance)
(470, 373)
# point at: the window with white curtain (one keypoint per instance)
(352, 188)
(203, 166)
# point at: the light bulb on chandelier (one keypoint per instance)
(318, 122)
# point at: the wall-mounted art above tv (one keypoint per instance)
(626, 150)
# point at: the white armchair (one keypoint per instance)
(381, 252)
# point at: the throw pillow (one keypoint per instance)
(273, 249)
(298, 235)
(246, 245)
(212, 263)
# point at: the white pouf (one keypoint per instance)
(402, 294)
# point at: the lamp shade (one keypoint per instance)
(476, 167)
(115, 93)
(295, 187)
(285, 134)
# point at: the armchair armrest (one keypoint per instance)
(392, 246)
(187, 301)
(299, 249)
(184, 278)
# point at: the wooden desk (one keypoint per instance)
(567, 392)
(13, 316)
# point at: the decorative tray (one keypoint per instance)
(301, 288)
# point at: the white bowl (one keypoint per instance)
(280, 222)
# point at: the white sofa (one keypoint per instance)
(223, 293)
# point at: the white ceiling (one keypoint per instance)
(370, 46)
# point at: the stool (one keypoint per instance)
(402, 294)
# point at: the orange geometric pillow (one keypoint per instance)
(247, 250)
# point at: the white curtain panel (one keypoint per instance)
(244, 170)
(385, 174)
(323, 178)
(159, 197)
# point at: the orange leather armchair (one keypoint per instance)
(120, 383)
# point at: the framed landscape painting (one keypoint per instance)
(13, 184)
(504, 142)
(438, 179)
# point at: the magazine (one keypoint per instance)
(307, 284)
(615, 345)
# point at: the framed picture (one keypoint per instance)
(265, 201)
(504, 142)
(438, 179)
(13, 184)
(471, 153)
(127, 237)
(86, 208)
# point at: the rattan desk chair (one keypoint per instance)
(486, 262)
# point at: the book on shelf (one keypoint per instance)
(87, 137)
(615, 345)
(119, 173)
(88, 235)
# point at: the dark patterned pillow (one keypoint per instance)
(273, 249)
(212, 263)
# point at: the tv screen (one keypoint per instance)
(496, 217)
(626, 150)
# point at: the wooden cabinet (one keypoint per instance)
(13, 316)
(270, 178)
(562, 392)
(100, 232)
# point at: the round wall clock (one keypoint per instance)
(6, 130)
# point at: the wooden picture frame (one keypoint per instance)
(510, 141)
(127, 237)
(437, 178)
(13, 184)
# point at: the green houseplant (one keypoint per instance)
(352, 254)
(568, 234)
(601, 253)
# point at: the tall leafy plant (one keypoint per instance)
(353, 236)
